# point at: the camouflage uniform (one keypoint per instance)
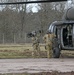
(48, 39)
(35, 45)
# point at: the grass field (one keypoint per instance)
(19, 51)
(25, 51)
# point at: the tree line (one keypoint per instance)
(16, 22)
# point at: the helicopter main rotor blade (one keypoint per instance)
(28, 2)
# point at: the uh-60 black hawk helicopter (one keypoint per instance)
(64, 29)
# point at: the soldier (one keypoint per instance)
(36, 46)
(48, 39)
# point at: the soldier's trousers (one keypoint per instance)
(49, 51)
(36, 48)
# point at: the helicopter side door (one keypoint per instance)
(67, 35)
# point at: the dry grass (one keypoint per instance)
(19, 51)
(25, 51)
(67, 54)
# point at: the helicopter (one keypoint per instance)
(64, 31)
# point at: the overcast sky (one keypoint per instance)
(34, 7)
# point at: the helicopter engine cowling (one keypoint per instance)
(69, 14)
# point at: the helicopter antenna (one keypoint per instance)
(28, 2)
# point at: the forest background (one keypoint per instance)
(18, 20)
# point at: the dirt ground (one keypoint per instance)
(35, 66)
(43, 73)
